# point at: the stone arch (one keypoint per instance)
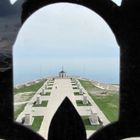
(124, 21)
(29, 15)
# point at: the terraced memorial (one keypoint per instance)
(97, 107)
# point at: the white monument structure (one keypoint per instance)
(38, 100)
(80, 91)
(43, 91)
(85, 100)
(78, 86)
(93, 118)
(28, 118)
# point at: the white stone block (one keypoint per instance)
(46, 86)
(85, 100)
(80, 91)
(93, 118)
(78, 86)
(38, 99)
(28, 118)
(43, 91)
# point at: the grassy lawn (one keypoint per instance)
(50, 84)
(43, 104)
(18, 109)
(74, 87)
(80, 103)
(46, 94)
(23, 97)
(77, 93)
(33, 88)
(89, 86)
(87, 124)
(108, 103)
(49, 88)
(73, 84)
(37, 123)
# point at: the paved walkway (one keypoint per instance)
(64, 88)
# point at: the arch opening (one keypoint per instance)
(75, 38)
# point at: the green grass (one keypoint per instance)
(19, 109)
(49, 88)
(37, 123)
(46, 94)
(74, 87)
(33, 88)
(80, 103)
(108, 103)
(43, 104)
(89, 86)
(77, 93)
(73, 84)
(50, 84)
(87, 124)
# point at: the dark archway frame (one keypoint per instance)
(125, 24)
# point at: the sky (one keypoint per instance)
(66, 35)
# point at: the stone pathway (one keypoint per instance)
(64, 88)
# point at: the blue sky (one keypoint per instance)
(66, 35)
